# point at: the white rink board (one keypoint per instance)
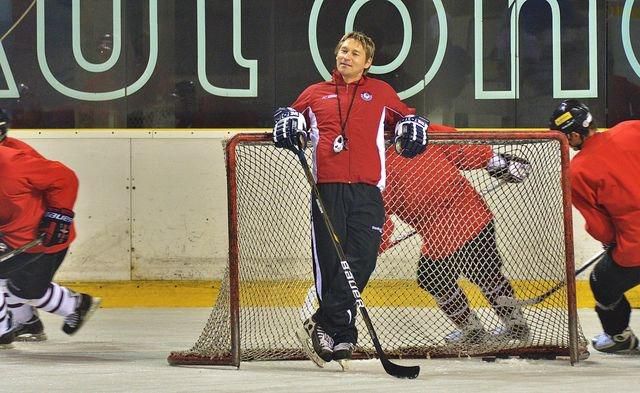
(112, 353)
(153, 204)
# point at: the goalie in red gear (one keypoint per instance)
(456, 225)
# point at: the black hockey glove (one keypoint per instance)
(290, 127)
(411, 136)
(55, 226)
(509, 168)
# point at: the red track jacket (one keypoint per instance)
(28, 185)
(375, 105)
(606, 190)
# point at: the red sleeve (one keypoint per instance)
(57, 183)
(464, 157)
(585, 199)
(60, 187)
(29, 186)
(303, 102)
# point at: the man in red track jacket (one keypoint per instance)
(347, 117)
(606, 190)
(456, 226)
(36, 199)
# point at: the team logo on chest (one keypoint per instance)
(366, 96)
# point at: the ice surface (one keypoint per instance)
(125, 350)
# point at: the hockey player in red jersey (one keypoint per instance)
(36, 200)
(28, 325)
(605, 189)
(457, 230)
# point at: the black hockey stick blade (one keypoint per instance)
(395, 370)
(398, 371)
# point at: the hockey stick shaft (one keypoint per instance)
(492, 188)
(401, 239)
(6, 256)
(509, 301)
(393, 369)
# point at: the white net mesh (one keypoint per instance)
(442, 209)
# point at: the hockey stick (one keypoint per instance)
(492, 188)
(6, 256)
(512, 302)
(393, 369)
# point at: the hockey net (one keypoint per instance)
(267, 290)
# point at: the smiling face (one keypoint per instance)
(352, 60)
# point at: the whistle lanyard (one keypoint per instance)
(343, 125)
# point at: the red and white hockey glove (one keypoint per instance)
(55, 226)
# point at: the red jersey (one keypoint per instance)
(28, 185)
(429, 193)
(606, 190)
(14, 143)
(364, 108)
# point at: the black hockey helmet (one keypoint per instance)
(4, 124)
(572, 116)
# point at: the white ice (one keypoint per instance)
(125, 350)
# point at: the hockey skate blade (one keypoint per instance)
(307, 348)
(344, 364)
(95, 304)
(31, 338)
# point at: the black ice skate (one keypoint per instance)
(6, 339)
(316, 343)
(32, 330)
(342, 354)
(623, 342)
(86, 305)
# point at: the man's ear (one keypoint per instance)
(368, 64)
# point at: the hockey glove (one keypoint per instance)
(411, 136)
(509, 168)
(290, 127)
(55, 226)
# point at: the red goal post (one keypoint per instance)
(267, 289)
